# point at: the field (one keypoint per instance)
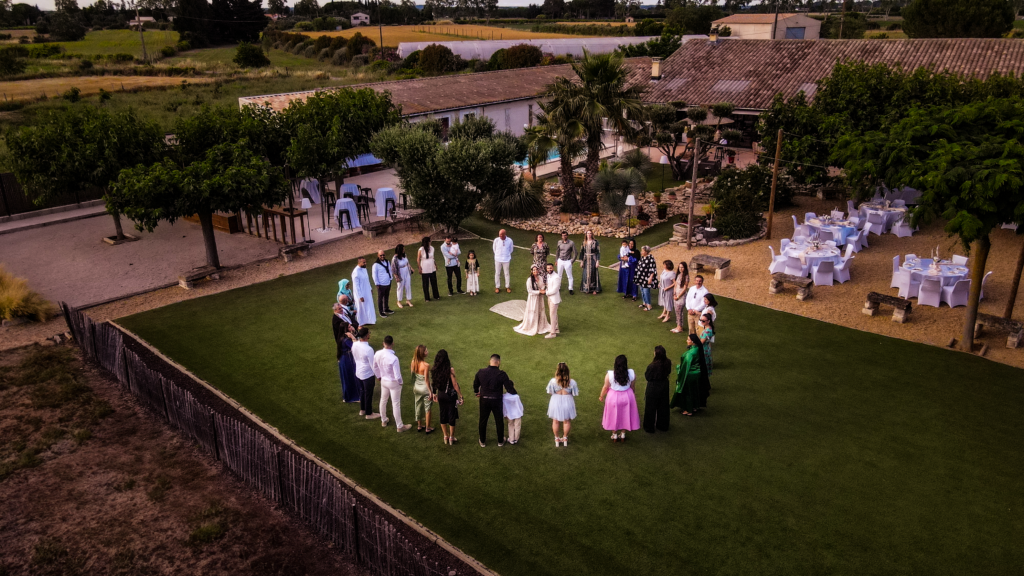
(54, 87)
(121, 42)
(394, 35)
(596, 23)
(824, 449)
(213, 57)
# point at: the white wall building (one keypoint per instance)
(360, 19)
(759, 26)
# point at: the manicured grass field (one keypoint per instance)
(824, 450)
(121, 42)
(394, 35)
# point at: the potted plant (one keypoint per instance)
(662, 211)
(643, 218)
(709, 209)
(657, 197)
(672, 195)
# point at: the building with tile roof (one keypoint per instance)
(759, 26)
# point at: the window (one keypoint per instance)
(795, 33)
(446, 123)
(468, 115)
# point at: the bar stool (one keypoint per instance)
(343, 217)
(389, 208)
(363, 207)
(329, 201)
(405, 200)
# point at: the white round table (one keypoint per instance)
(841, 231)
(383, 194)
(810, 257)
(889, 215)
(948, 272)
(353, 212)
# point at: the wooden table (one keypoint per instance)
(270, 215)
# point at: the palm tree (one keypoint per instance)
(565, 135)
(600, 94)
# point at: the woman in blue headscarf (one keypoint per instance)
(344, 289)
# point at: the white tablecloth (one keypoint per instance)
(312, 186)
(812, 257)
(382, 196)
(890, 215)
(350, 189)
(948, 272)
(350, 205)
(841, 231)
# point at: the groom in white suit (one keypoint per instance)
(553, 292)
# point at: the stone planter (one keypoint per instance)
(644, 222)
(710, 233)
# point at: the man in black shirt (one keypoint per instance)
(488, 385)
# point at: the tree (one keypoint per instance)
(692, 19)
(564, 135)
(10, 64)
(73, 148)
(448, 180)
(600, 94)
(667, 125)
(277, 7)
(968, 162)
(308, 8)
(228, 178)
(222, 22)
(250, 56)
(958, 18)
(846, 26)
(65, 27)
(553, 8)
(66, 6)
(662, 47)
(330, 127)
(437, 59)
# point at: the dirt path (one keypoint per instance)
(91, 486)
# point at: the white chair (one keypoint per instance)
(854, 214)
(902, 230)
(823, 273)
(930, 293)
(957, 294)
(851, 208)
(808, 216)
(909, 257)
(983, 281)
(826, 236)
(895, 272)
(853, 240)
(863, 238)
(830, 243)
(794, 267)
(1009, 226)
(909, 287)
(778, 262)
(925, 262)
(959, 260)
(795, 225)
(899, 203)
(785, 243)
(875, 223)
(837, 215)
(802, 231)
(842, 271)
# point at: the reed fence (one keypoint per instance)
(364, 531)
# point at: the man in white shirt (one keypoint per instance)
(362, 294)
(554, 285)
(450, 251)
(695, 303)
(388, 369)
(502, 257)
(382, 279)
(565, 255)
(362, 353)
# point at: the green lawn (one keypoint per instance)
(224, 55)
(121, 42)
(824, 450)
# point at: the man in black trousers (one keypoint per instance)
(488, 386)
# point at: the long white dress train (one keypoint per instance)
(534, 320)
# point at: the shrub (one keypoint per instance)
(304, 26)
(520, 201)
(360, 60)
(276, 45)
(72, 94)
(497, 60)
(309, 52)
(65, 28)
(168, 51)
(894, 26)
(324, 55)
(23, 40)
(104, 95)
(84, 64)
(324, 23)
(741, 195)
(338, 42)
(879, 36)
(340, 57)
(480, 66)
(10, 64)
(437, 59)
(16, 299)
(380, 66)
(522, 56)
(322, 42)
(412, 60)
(250, 56)
(359, 44)
(121, 57)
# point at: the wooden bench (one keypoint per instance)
(701, 261)
(779, 280)
(188, 279)
(289, 252)
(374, 229)
(1015, 328)
(901, 306)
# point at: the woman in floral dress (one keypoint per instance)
(540, 253)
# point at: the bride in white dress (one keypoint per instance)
(534, 320)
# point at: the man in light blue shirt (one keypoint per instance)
(450, 251)
(382, 279)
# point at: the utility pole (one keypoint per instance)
(775, 181)
(380, 28)
(776, 24)
(142, 37)
(693, 192)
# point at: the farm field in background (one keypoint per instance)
(223, 57)
(53, 87)
(394, 35)
(121, 42)
(596, 23)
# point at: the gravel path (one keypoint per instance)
(838, 304)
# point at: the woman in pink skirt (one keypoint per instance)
(620, 411)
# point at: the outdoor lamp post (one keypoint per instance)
(630, 201)
(306, 205)
(664, 161)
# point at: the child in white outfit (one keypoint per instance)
(514, 414)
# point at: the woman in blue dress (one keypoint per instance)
(629, 256)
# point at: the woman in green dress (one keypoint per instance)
(692, 384)
(707, 335)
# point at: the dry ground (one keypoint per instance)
(871, 272)
(394, 35)
(54, 87)
(90, 486)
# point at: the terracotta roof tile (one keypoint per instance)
(696, 73)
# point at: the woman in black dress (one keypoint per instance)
(448, 394)
(656, 408)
